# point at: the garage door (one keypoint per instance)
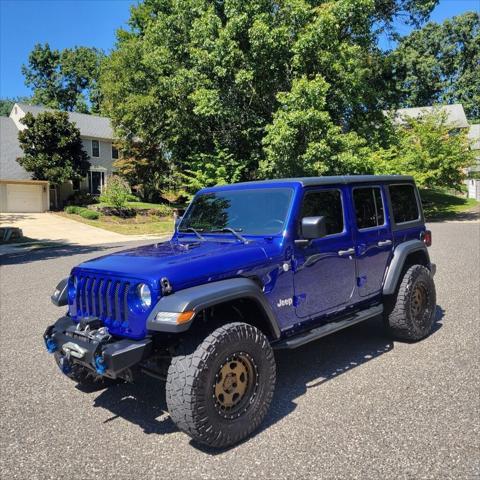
(24, 198)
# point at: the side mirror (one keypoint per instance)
(312, 228)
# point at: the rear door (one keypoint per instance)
(373, 238)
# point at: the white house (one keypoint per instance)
(19, 193)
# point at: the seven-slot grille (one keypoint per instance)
(104, 298)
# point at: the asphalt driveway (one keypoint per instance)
(352, 405)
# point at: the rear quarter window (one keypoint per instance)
(404, 203)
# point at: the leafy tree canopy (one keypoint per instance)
(440, 63)
(428, 149)
(52, 148)
(216, 87)
(67, 79)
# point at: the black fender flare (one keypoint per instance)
(208, 295)
(395, 268)
(59, 297)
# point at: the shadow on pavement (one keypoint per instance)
(144, 403)
(12, 218)
(53, 251)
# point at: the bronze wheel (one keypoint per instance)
(235, 385)
(219, 390)
(411, 313)
(419, 301)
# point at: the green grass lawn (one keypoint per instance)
(439, 205)
(140, 225)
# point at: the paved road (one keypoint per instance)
(353, 405)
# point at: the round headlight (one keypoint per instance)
(144, 294)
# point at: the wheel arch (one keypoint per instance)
(409, 253)
(241, 294)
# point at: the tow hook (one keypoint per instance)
(65, 364)
(100, 365)
(51, 345)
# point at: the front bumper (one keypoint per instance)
(106, 356)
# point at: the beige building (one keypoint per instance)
(19, 193)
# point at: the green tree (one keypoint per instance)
(67, 79)
(428, 149)
(198, 81)
(303, 140)
(52, 148)
(440, 63)
(117, 192)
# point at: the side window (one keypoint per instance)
(114, 152)
(404, 203)
(368, 207)
(325, 203)
(95, 148)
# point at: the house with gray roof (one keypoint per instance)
(455, 115)
(19, 193)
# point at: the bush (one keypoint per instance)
(82, 199)
(122, 212)
(71, 209)
(117, 192)
(89, 214)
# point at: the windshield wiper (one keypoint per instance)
(231, 230)
(191, 229)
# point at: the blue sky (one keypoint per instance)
(66, 23)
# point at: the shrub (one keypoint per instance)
(89, 214)
(117, 192)
(122, 212)
(71, 209)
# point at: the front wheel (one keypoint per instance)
(411, 313)
(220, 391)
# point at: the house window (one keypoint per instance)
(96, 182)
(95, 148)
(114, 152)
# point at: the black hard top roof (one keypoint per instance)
(342, 179)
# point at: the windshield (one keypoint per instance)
(250, 212)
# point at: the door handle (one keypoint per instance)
(346, 253)
(384, 243)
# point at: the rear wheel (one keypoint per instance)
(220, 390)
(411, 313)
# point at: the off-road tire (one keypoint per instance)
(84, 376)
(193, 376)
(404, 319)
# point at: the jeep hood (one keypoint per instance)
(183, 263)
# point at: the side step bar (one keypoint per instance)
(332, 327)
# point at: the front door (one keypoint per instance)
(97, 180)
(373, 239)
(324, 274)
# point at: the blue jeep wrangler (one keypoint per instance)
(251, 267)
